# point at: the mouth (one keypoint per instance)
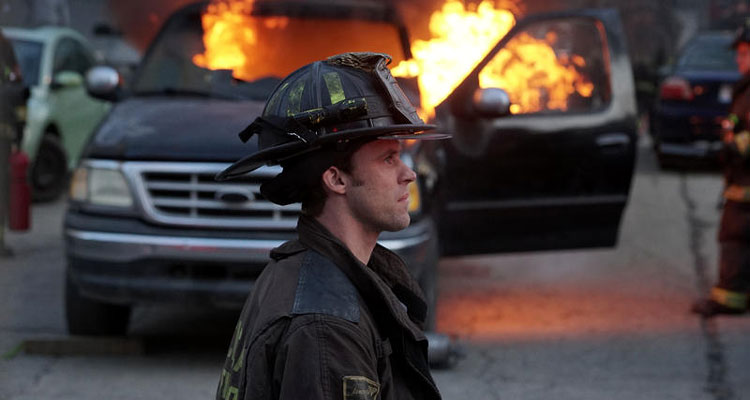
(405, 197)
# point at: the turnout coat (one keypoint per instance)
(319, 324)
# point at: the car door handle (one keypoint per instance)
(612, 140)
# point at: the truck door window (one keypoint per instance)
(552, 67)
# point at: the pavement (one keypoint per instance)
(584, 324)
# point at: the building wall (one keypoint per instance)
(83, 16)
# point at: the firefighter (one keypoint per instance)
(334, 315)
(730, 294)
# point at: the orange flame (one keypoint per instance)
(258, 47)
(227, 32)
(461, 37)
(528, 65)
(534, 76)
(528, 68)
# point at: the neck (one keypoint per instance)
(355, 236)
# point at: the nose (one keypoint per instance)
(408, 175)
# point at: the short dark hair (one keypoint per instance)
(315, 199)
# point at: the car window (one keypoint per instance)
(708, 53)
(29, 56)
(553, 66)
(179, 62)
(71, 56)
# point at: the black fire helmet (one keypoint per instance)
(318, 113)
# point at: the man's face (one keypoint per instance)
(743, 58)
(378, 195)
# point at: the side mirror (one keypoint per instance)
(491, 102)
(103, 83)
(66, 79)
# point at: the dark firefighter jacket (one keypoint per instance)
(319, 324)
(736, 152)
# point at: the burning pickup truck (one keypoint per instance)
(542, 156)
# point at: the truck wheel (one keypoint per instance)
(49, 170)
(93, 318)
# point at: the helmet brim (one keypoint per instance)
(275, 154)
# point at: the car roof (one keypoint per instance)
(42, 34)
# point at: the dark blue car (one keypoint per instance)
(694, 97)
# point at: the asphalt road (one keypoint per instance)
(602, 324)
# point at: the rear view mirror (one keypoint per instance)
(66, 79)
(103, 83)
(491, 102)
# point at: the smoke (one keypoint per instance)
(140, 20)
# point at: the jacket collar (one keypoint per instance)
(379, 283)
(384, 280)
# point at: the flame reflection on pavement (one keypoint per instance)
(475, 302)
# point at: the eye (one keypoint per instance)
(390, 159)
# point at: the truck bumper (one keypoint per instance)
(697, 150)
(126, 268)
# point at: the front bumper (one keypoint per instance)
(708, 150)
(133, 263)
(686, 123)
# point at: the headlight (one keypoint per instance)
(79, 184)
(100, 186)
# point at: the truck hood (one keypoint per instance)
(175, 129)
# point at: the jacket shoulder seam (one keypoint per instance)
(322, 288)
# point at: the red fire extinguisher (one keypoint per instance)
(20, 193)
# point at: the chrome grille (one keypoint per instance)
(186, 194)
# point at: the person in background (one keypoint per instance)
(730, 294)
(13, 96)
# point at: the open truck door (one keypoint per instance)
(552, 171)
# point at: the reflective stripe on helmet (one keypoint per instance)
(335, 87)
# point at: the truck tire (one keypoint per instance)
(49, 171)
(93, 318)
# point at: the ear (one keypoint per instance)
(335, 181)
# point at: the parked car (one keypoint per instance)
(61, 114)
(694, 97)
(147, 222)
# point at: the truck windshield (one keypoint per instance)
(180, 62)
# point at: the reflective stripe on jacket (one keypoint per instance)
(737, 193)
(735, 155)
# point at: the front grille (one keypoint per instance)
(186, 194)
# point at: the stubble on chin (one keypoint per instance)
(386, 221)
(397, 222)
